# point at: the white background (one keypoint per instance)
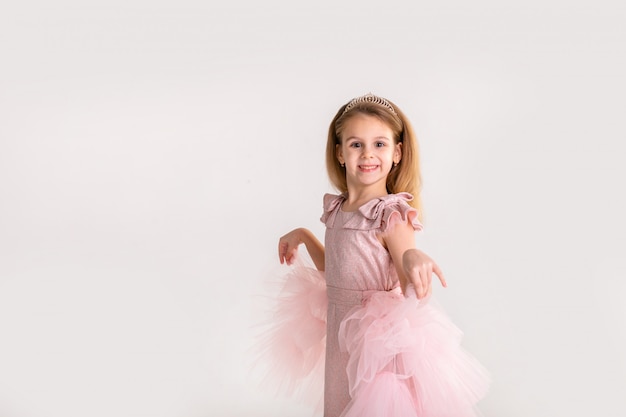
(151, 154)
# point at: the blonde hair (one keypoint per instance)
(405, 177)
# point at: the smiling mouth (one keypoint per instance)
(368, 168)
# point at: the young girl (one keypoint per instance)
(388, 350)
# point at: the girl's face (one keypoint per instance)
(368, 150)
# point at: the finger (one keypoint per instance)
(291, 257)
(439, 274)
(429, 283)
(419, 287)
(285, 254)
(425, 276)
(281, 252)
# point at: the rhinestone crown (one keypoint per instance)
(370, 98)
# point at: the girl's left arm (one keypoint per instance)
(413, 265)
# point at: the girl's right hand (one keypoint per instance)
(288, 246)
(419, 269)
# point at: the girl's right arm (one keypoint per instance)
(288, 247)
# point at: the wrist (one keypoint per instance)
(302, 234)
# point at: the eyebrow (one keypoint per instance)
(376, 138)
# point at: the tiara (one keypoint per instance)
(370, 98)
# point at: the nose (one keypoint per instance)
(366, 151)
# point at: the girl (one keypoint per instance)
(388, 350)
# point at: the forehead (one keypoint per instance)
(366, 126)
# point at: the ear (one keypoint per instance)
(339, 154)
(397, 153)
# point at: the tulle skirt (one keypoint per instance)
(405, 355)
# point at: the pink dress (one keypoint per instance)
(383, 354)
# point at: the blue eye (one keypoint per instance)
(380, 144)
(355, 145)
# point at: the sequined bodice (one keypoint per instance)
(355, 257)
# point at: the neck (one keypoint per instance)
(357, 197)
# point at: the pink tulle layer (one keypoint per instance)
(292, 343)
(408, 350)
(405, 357)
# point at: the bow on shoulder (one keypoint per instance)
(372, 212)
(373, 209)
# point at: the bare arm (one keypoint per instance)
(413, 266)
(288, 247)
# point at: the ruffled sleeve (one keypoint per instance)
(331, 203)
(387, 211)
(399, 211)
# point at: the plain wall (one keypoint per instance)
(152, 153)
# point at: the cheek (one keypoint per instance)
(350, 152)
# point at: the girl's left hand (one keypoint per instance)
(419, 269)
